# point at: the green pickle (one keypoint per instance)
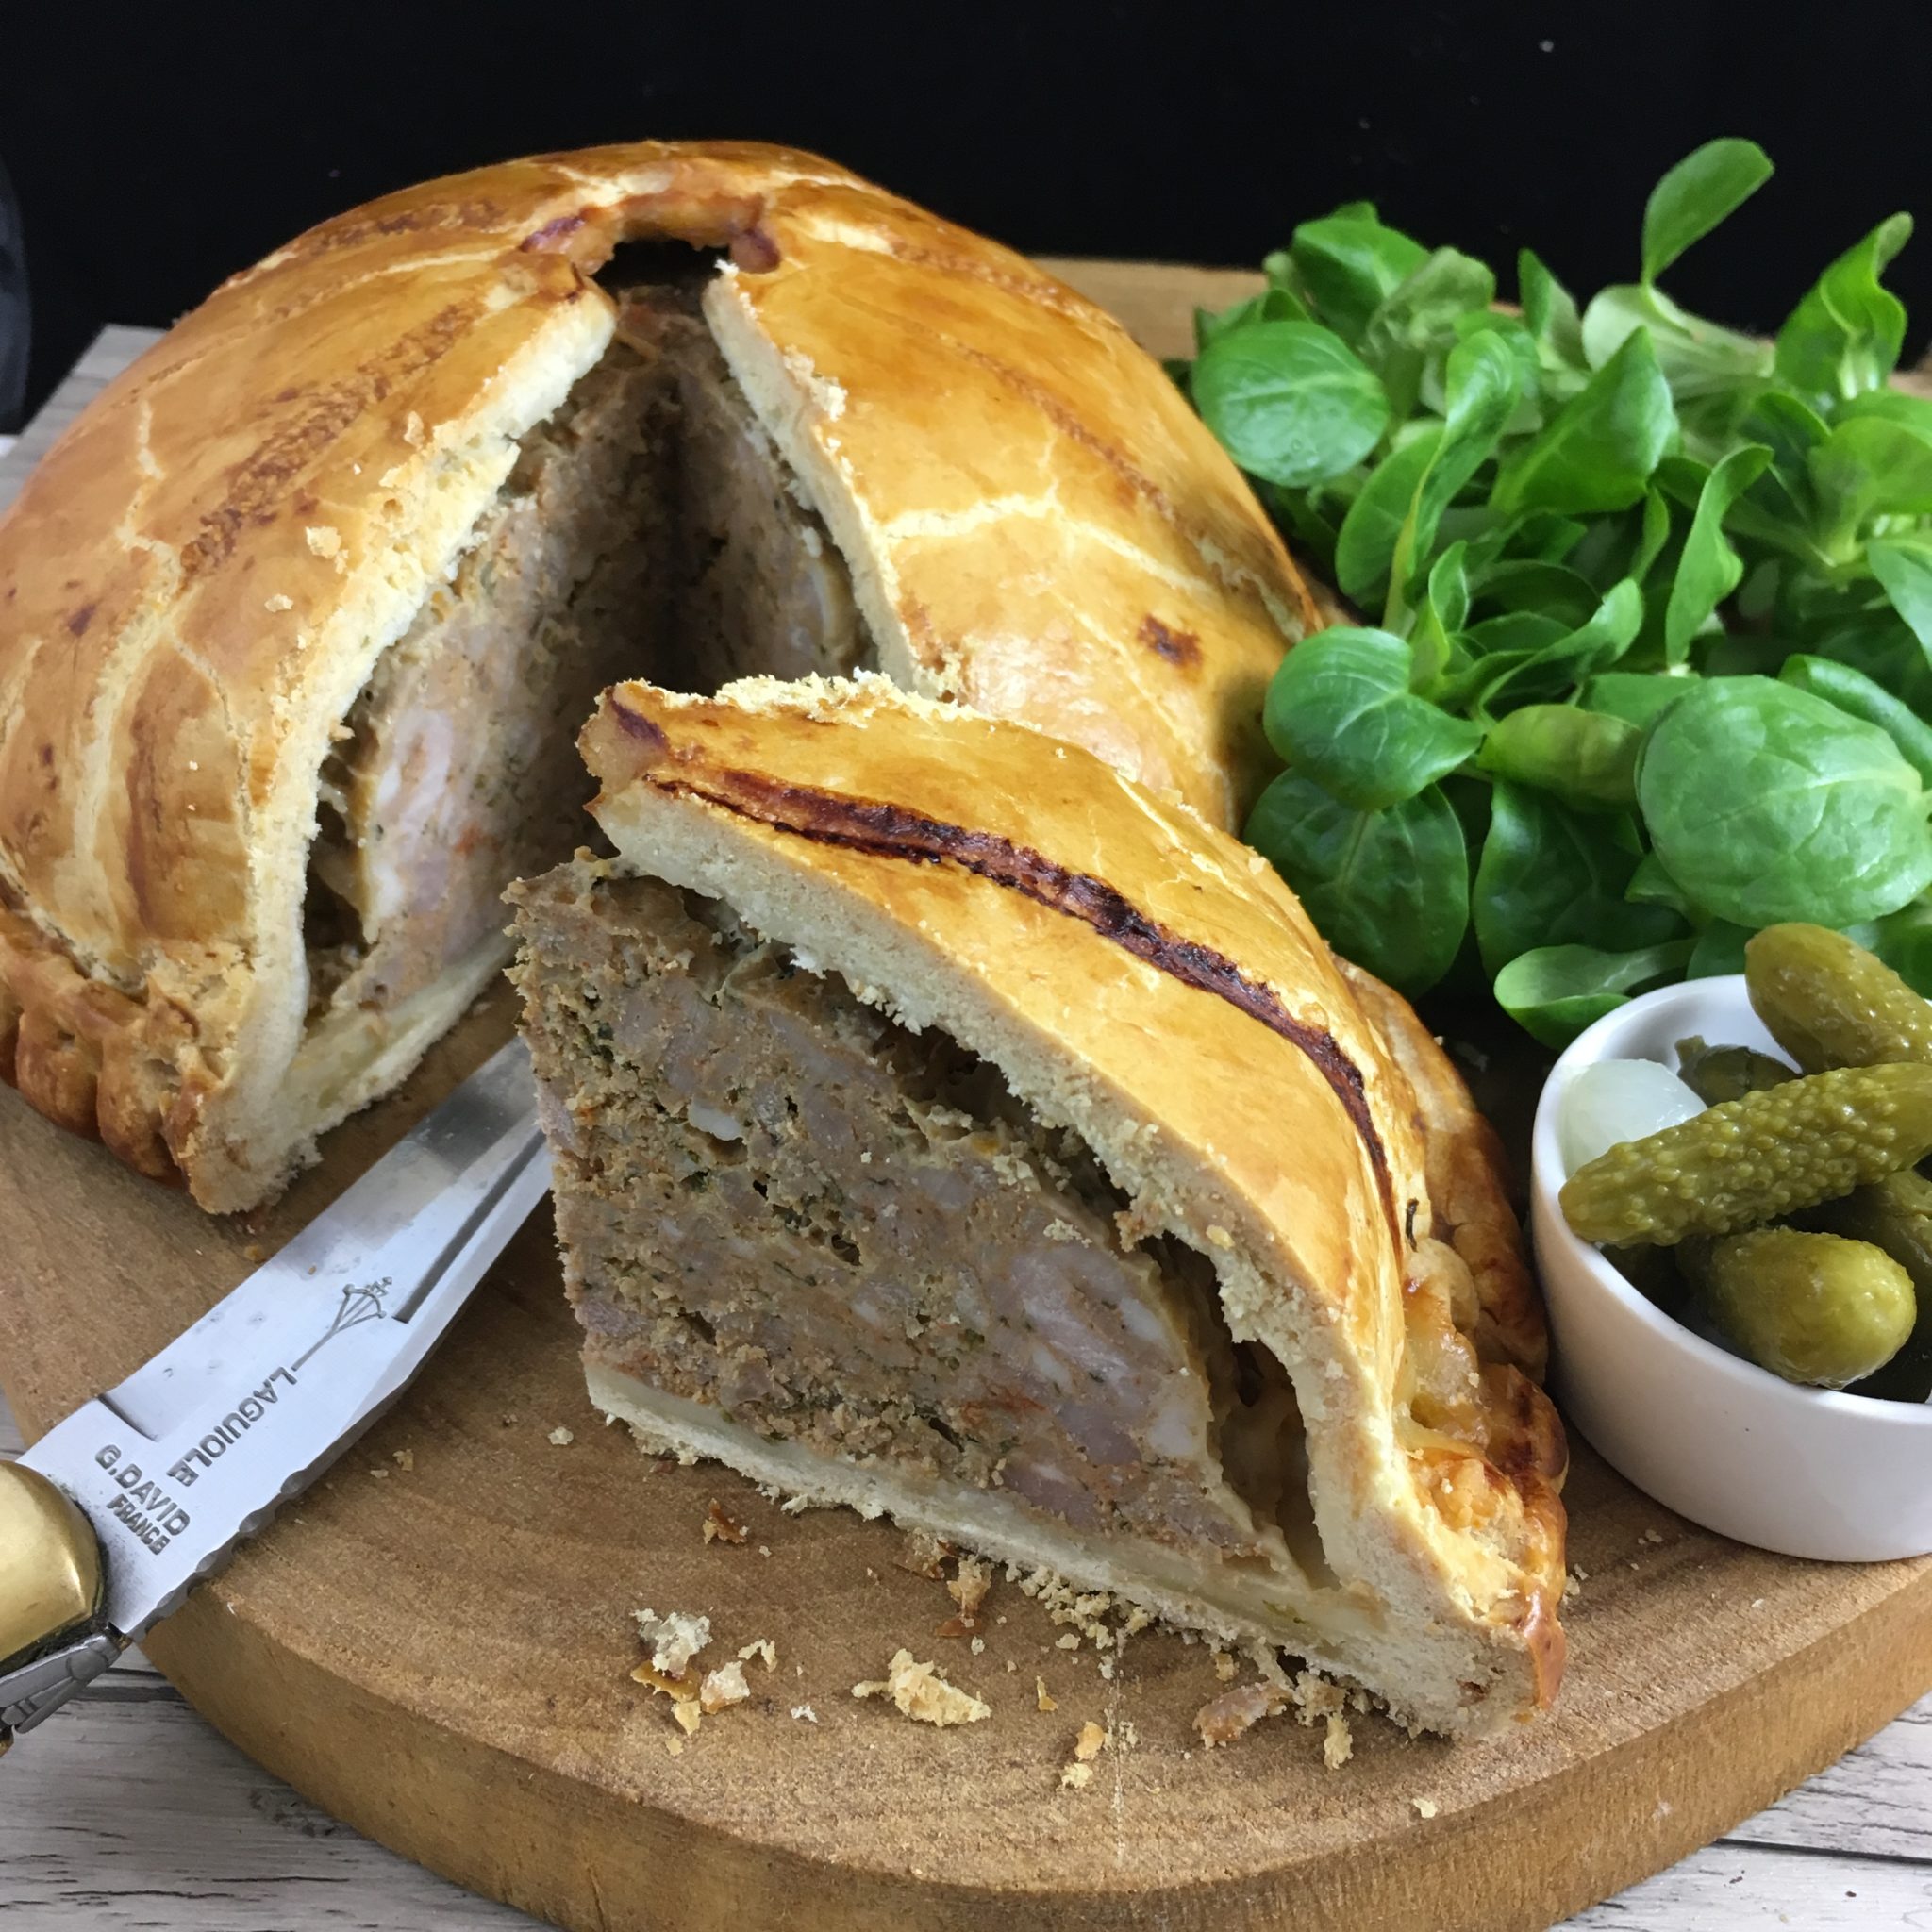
(1829, 1003)
(1754, 1160)
(1655, 1275)
(1895, 1214)
(1717, 1074)
(1811, 1308)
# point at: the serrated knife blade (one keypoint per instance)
(170, 1469)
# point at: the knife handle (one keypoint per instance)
(51, 1578)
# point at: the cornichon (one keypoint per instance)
(1655, 1275)
(1717, 1074)
(1757, 1159)
(1895, 1214)
(1829, 1003)
(1811, 1308)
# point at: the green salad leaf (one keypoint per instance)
(1342, 714)
(1846, 335)
(1849, 689)
(1550, 310)
(1865, 468)
(1349, 265)
(1556, 991)
(1706, 185)
(1365, 550)
(1904, 566)
(1388, 889)
(1645, 630)
(1550, 874)
(1709, 570)
(1604, 442)
(1292, 403)
(1769, 804)
(1586, 760)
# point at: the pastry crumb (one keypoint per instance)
(922, 1695)
(978, 1646)
(1223, 1719)
(804, 1713)
(763, 1648)
(378, 1474)
(722, 1687)
(562, 1437)
(795, 1505)
(720, 1527)
(254, 1252)
(1338, 1746)
(1070, 1641)
(509, 1422)
(923, 1553)
(688, 1715)
(324, 540)
(1076, 1776)
(674, 1637)
(1424, 1807)
(1652, 1536)
(1225, 1666)
(403, 1458)
(1092, 1742)
(970, 1587)
(674, 1746)
(279, 602)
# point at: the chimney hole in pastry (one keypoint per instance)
(902, 1263)
(649, 528)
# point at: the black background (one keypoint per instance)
(154, 152)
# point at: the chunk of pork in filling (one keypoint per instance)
(648, 529)
(854, 1238)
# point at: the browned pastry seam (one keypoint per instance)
(891, 831)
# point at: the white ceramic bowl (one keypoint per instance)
(1805, 1471)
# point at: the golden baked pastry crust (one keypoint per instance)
(1192, 1026)
(201, 574)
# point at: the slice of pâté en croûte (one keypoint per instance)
(947, 1126)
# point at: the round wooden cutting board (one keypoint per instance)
(436, 1642)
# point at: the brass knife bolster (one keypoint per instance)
(51, 1587)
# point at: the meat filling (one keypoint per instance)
(648, 529)
(777, 1202)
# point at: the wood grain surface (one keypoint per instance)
(435, 1644)
(136, 1817)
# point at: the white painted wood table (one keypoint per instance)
(125, 1810)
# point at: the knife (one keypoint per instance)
(110, 1519)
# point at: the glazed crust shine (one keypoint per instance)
(202, 573)
(1081, 933)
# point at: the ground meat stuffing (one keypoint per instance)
(648, 529)
(776, 1202)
